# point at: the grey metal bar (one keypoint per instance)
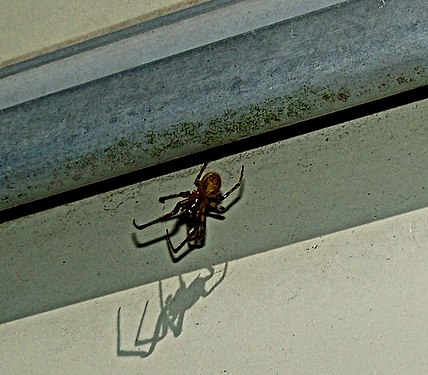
(298, 69)
(145, 43)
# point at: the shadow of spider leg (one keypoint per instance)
(174, 251)
(174, 212)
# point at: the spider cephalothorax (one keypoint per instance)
(195, 206)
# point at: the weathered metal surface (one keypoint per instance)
(144, 43)
(243, 86)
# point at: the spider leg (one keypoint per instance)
(225, 195)
(197, 236)
(219, 208)
(193, 234)
(173, 251)
(183, 194)
(198, 177)
(175, 211)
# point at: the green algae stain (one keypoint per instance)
(174, 137)
(332, 96)
(121, 155)
(233, 124)
(329, 96)
(297, 108)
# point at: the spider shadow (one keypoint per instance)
(171, 316)
(181, 221)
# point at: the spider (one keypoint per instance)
(195, 206)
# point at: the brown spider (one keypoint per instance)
(195, 206)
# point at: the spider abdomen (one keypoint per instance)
(210, 184)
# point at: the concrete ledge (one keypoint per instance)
(352, 302)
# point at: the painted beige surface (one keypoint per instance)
(29, 28)
(352, 302)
